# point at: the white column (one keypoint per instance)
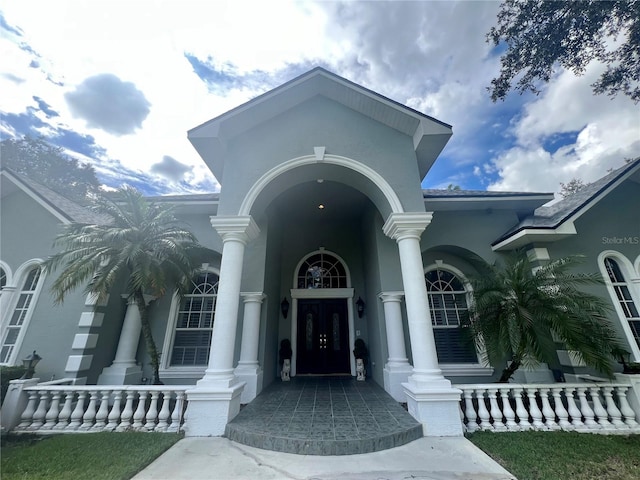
(430, 397)
(124, 370)
(216, 398)
(397, 370)
(248, 369)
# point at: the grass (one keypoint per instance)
(92, 455)
(563, 455)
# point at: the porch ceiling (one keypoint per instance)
(340, 202)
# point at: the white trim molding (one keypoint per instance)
(367, 172)
(633, 285)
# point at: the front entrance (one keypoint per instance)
(323, 337)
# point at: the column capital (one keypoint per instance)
(404, 225)
(239, 228)
(255, 297)
(391, 296)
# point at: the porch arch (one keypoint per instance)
(367, 172)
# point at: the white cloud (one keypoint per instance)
(430, 55)
(601, 132)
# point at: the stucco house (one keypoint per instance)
(323, 235)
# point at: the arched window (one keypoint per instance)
(322, 270)
(19, 315)
(194, 323)
(448, 307)
(623, 296)
(3, 278)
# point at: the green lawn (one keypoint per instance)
(94, 456)
(563, 455)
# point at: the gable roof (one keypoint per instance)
(65, 210)
(557, 219)
(429, 135)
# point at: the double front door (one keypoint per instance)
(323, 337)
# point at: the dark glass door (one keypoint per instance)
(323, 337)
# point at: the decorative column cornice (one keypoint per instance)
(391, 296)
(253, 297)
(242, 229)
(406, 225)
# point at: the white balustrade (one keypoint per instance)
(594, 407)
(71, 408)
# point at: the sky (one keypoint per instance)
(119, 83)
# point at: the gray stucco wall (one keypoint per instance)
(27, 233)
(320, 122)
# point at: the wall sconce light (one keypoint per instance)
(30, 362)
(284, 307)
(360, 307)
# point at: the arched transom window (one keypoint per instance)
(322, 270)
(194, 324)
(623, 296)
(448, 307)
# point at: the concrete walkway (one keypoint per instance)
(429, 458)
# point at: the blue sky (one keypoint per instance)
(118, 84)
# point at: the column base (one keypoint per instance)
(252, 376)
(210, 409)
(124, 374)
(394, 377)
(438, 409)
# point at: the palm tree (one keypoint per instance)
(140, 243)
(519, 315)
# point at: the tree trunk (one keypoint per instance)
(508, 372)
(152, 351)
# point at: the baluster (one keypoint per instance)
(508, 412)
(598, 409)
(573, 410)
(127, 413)
(586, 410)
(52, 414)
(547, 411)
(561, 412)
(27, 415)
(483, 413)
(114, 414)
(612, 409)
(536, 414)
(138, 416)
(626, 410)
(165, 412)
(41, 411)
(176, 415)
(65, 413)
(470, 411)
(152, 413)
(76, 415)
(90, 413)
(521, 411)
(496, 413)
(103, 412)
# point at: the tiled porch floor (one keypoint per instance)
(323, 416)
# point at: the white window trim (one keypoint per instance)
(633, 283)
(167, 370)
(19, 279)
(462, 369)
